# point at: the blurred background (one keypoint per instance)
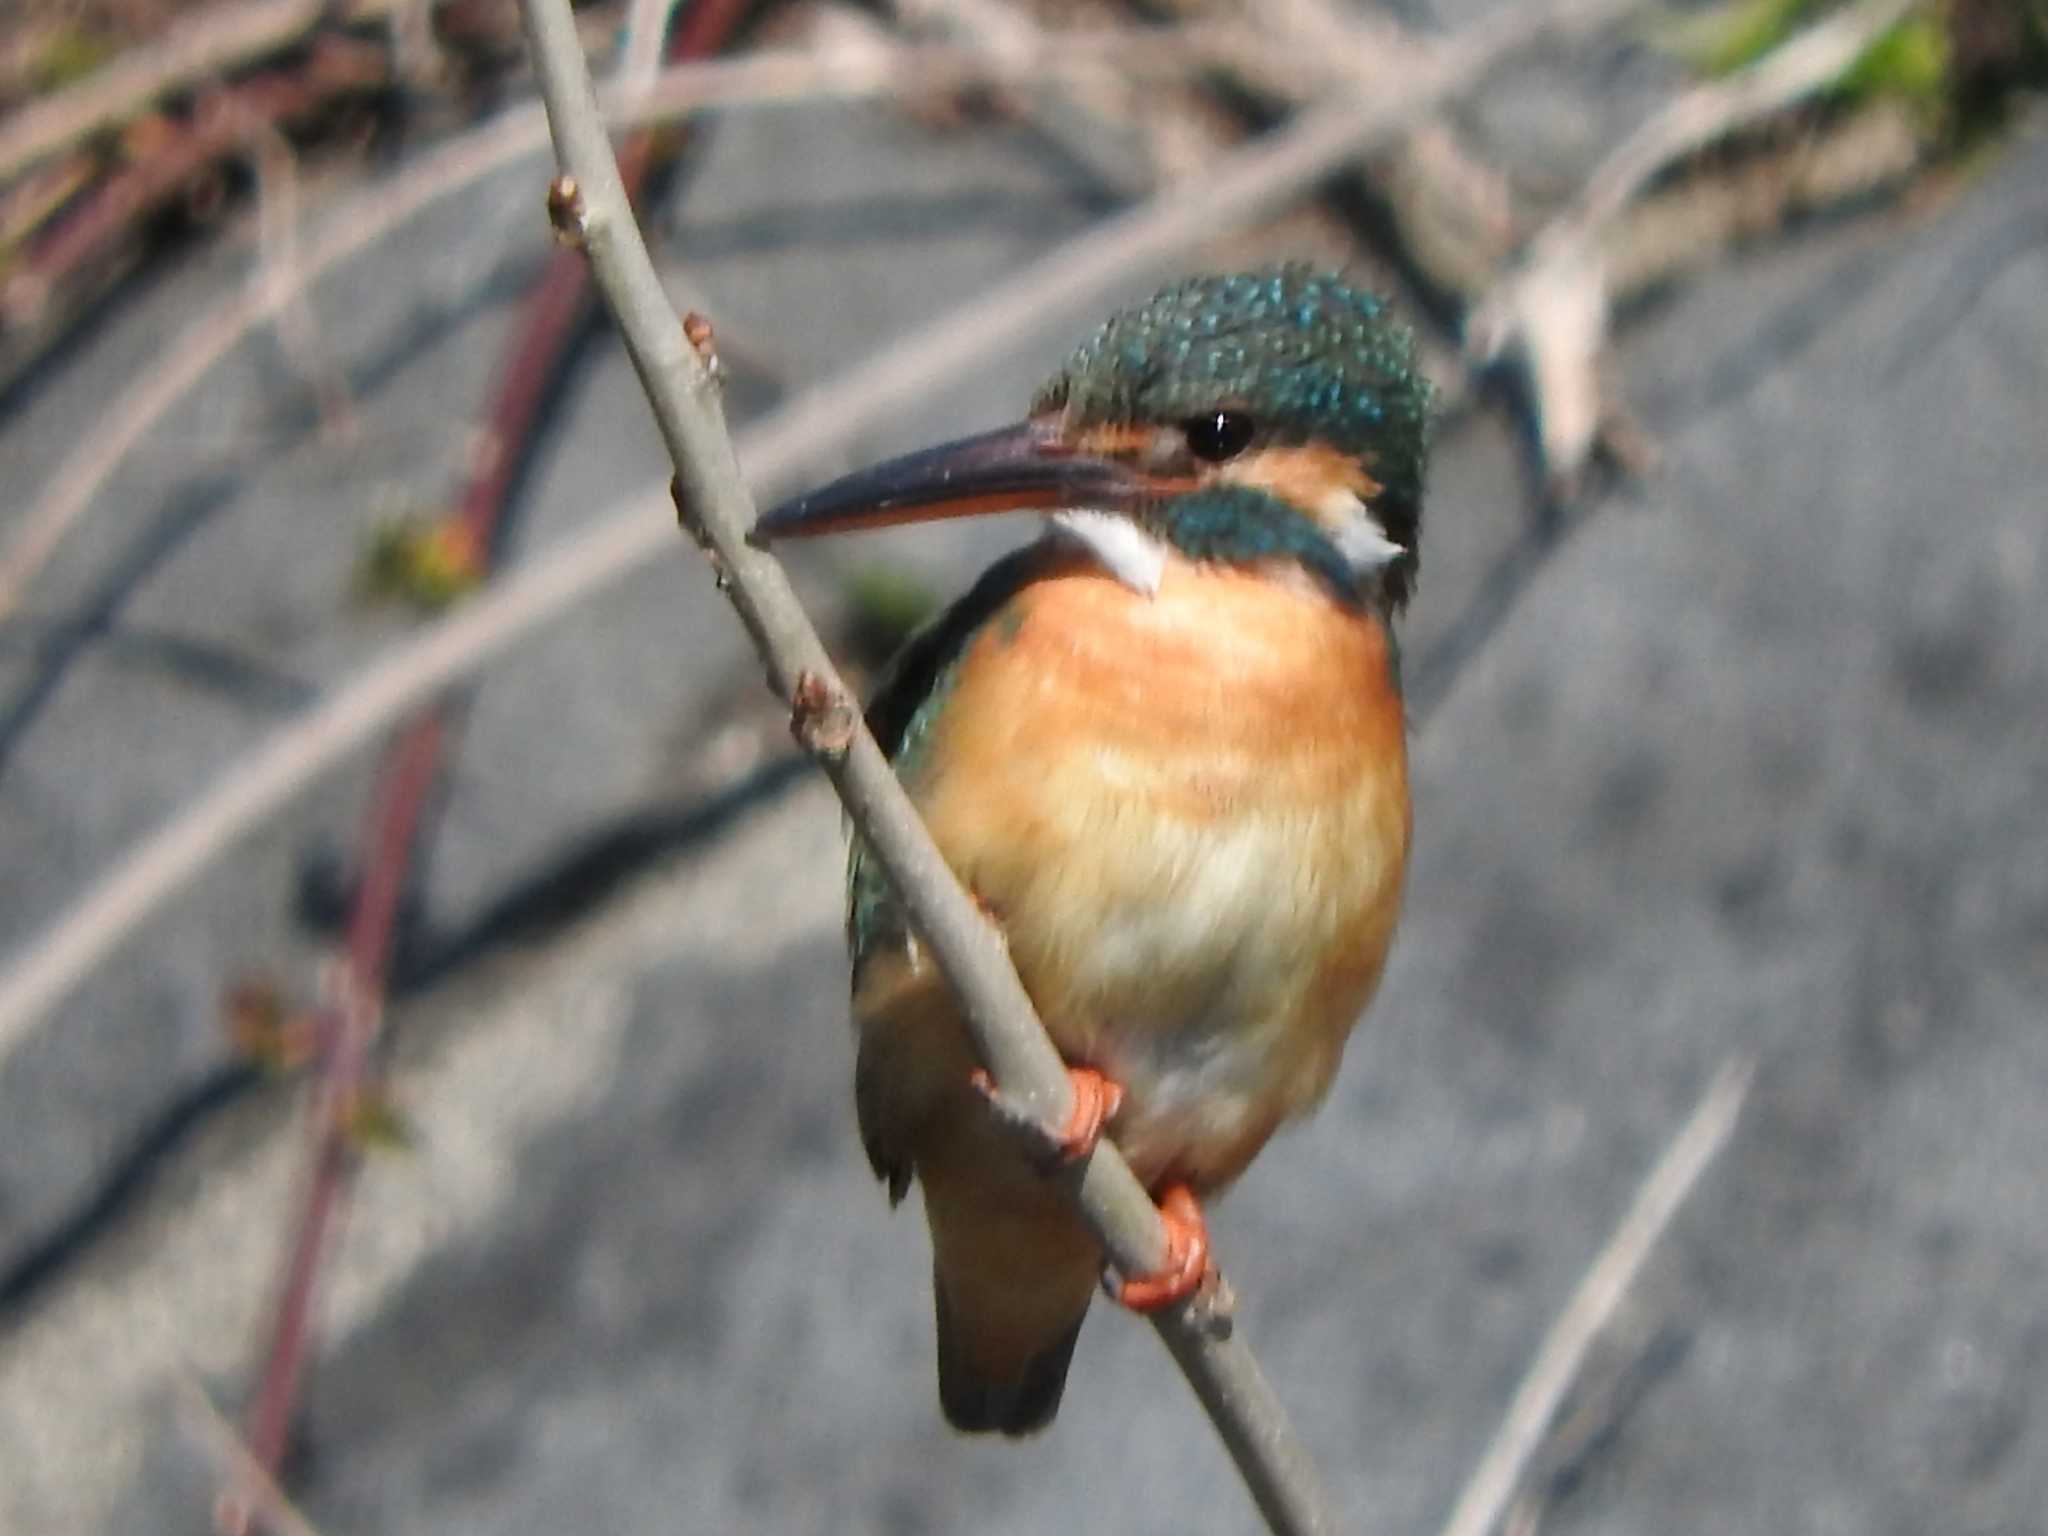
(454, 1116)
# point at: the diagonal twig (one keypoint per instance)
(1613, 1271)
(589, 200)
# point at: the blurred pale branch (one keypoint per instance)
(1602, 1290)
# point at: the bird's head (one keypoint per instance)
(1268, 419)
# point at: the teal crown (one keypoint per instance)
(1307, 356)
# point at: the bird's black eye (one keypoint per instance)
(1218, 435)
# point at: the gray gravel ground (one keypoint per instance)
(1754, 764)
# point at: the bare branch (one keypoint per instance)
(1084, 111)
(1614, 1270)
(1455, 212)
(357, 982)
(1871, 149)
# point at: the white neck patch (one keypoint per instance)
(1359, 536)
(1130, 554)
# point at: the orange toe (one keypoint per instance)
(1187, 1256)
(1095, 1100)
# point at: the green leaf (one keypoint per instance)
(1736, 35)
(375, 1124)
(426, 560)
(1911, 61)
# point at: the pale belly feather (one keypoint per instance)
(1189, 813)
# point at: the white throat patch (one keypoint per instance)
(1130, 554)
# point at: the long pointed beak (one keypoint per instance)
(1019, 467)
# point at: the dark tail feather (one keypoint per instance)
(1016, 1405)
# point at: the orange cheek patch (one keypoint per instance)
(1309, 477)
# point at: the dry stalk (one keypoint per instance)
(1593, 1304)
(1455, 212)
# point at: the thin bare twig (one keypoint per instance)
(1550, 310)
(712, 496)
(1607, 1393)
(350, 1015)
(1066, 281)
(1606, 1283)
(640, 58)
(1690, 225)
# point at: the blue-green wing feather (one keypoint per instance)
(901, 715)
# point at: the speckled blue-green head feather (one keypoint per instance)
(1308, 356)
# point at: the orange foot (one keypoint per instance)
(1095, 1100)
(1187, 1256)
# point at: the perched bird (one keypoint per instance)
(1164, 748)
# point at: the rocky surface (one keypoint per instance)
(1754, 764)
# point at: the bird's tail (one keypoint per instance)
(1013, 1271)
(1013, 1401)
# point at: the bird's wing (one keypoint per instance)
(889, 985)
(900, 713)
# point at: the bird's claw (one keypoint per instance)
(1187, 1257)
(1096, 1100)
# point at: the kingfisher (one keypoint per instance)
(1164, 748)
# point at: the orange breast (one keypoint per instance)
(1190, 814)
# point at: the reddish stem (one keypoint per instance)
(555, 312)
(350, 1020)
